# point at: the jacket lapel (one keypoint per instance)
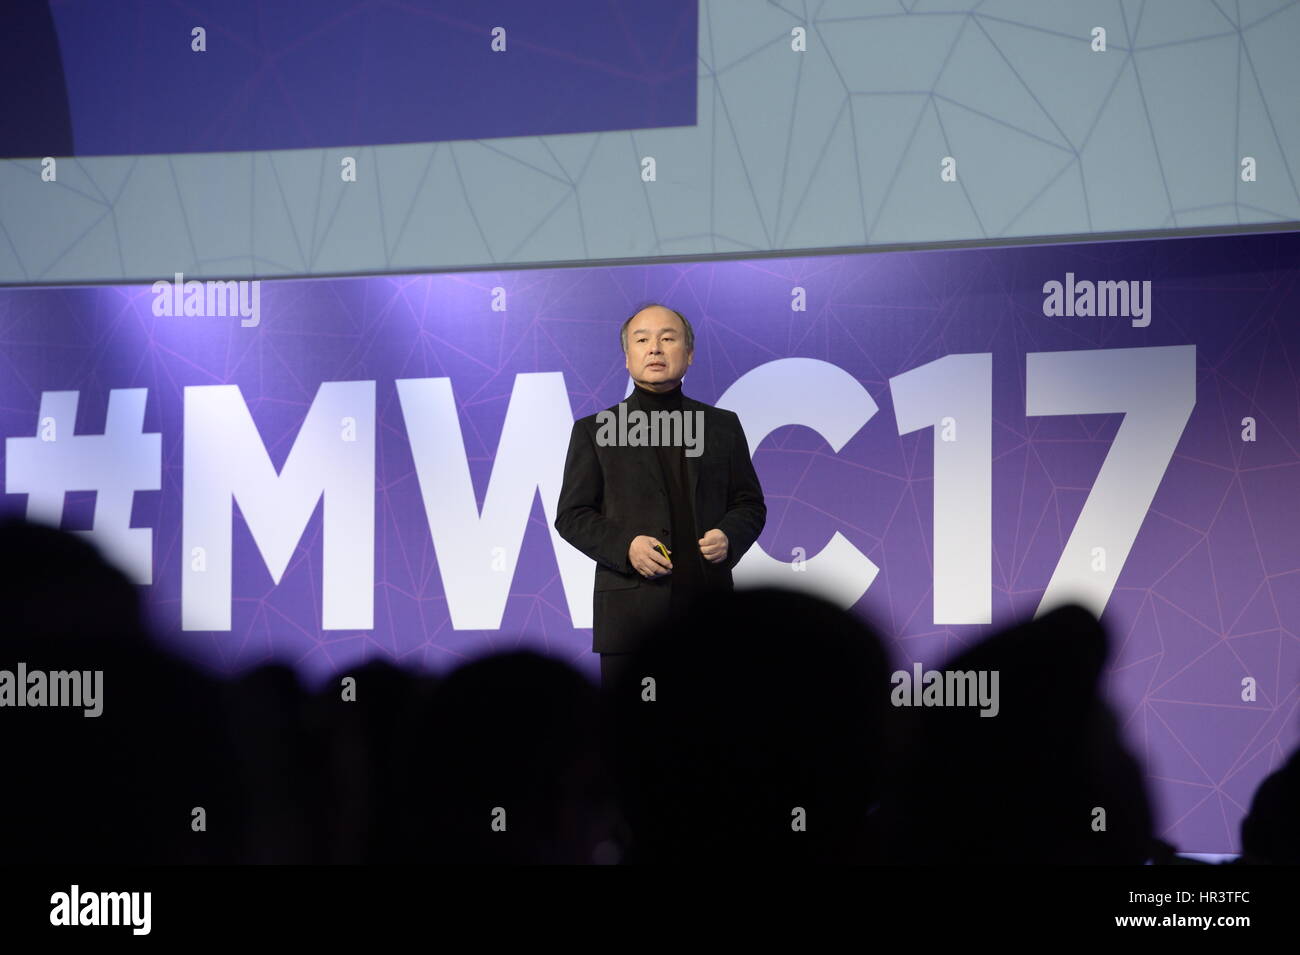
(690, 406)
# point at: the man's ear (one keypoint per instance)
(690, 357)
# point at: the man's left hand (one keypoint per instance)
(713, 545)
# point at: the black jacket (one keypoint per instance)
(616, 493)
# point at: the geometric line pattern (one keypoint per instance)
(833, 148)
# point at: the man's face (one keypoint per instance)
(656, 349)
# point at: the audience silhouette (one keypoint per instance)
(756, 726)
(749, 729)
(1047, 780)
(1270, 833)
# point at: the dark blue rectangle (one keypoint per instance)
(288, 74)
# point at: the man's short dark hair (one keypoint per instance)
(690, 332)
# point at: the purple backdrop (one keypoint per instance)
(1209, 595)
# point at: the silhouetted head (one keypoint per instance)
(373, 729)
(54, 584)
(276, 766)
(1045, 780)
(1270, 833)
(749, 728)
(513, 764)
(121, 785)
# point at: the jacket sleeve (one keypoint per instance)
(579, 518)
(746, 512)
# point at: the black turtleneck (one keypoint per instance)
(688, 576)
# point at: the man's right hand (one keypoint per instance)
(647, 561)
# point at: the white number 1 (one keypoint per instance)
(954, 395)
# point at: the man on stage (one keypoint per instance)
(666, 510)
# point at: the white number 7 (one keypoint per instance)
(1155, 389)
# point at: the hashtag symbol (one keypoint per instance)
(114, 465)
